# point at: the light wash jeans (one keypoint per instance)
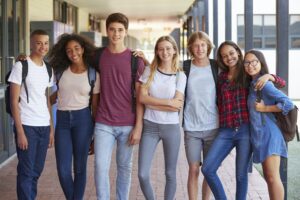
(105, 138)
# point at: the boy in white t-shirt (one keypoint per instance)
(31, 114)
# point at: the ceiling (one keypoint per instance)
(136, 9)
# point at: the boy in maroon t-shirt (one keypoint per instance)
(115, 121)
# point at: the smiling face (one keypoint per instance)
(39, 45)
(252, 65)
(165, 51)
(116, 33)
(230, 56)
(74, 51)
(199, 49)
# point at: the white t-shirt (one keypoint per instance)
(200, 111)
(35, 112)
(74, 90)
(163, 86)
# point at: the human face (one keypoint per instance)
(199, 49)
(39, 45)
(165, 51)
(116, 33)
(74, 51)
(252, 65)
(230, 56)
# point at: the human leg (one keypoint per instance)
(149, 141)
(82, 131)
(63, 153)
(193, 148)
(220, 148)
(104, 143)
(271, 173)
(170, 134)
(41, 152)
(243, 154)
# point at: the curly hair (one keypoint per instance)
(58, 58)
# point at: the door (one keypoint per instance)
(12, 42)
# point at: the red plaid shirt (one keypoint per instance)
(232, 101)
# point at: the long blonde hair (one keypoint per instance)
(157, 61)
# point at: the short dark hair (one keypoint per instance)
(117, 17)
(38, 32)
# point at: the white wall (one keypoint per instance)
(40, 10)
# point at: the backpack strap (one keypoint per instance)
(24, 75)
(96, 59)
(187, 67)
(134, 67)
(214, 69)
(58, 75)
(49, 70)
(92, 80)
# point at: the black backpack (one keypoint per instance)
(24, 75)
(134, 67)
(286, 123)
(91, 78)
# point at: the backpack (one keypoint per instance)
(24, 75)
(91, 78)
(134, 67)
(286, 123)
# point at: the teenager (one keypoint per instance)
(116, 122)
(162, 93)
(69, 58)
(234, 132)
(31, 114)
(200, 117)
(266, 138)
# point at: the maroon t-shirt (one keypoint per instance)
(114, 107)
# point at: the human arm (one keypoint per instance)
(135, 135)
(49, 105)
(141, 55)
(278, 82)
(15, 90)
(282, 103)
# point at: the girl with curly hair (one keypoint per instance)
(70, 58)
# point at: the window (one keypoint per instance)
(264, 31)
(295, 31)
(65, 13)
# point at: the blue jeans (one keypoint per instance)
(105, 138)
(73, 135)
(31, 161)
(227, 139)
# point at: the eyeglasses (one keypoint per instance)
(253, 63)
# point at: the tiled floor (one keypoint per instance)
(49, 187)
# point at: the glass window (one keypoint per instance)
(257, 25)
(269, 25)
(295, 25)
(241, 42)
(240, 24)
(295, 42)
(257, 42)
(270, 42)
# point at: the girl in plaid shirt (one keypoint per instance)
(232, 93)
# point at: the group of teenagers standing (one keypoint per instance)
(218, 98)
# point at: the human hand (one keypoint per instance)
(21, 57)
(22, 141)
(176, 103)
(260, 106)
(261, 82)
(135, 136)
(141, 55)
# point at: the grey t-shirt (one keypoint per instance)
(200, 112)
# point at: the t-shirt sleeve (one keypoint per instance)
(181, 82)
(16, 74)
(96, 89)
(140, 70)
(144, 77)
